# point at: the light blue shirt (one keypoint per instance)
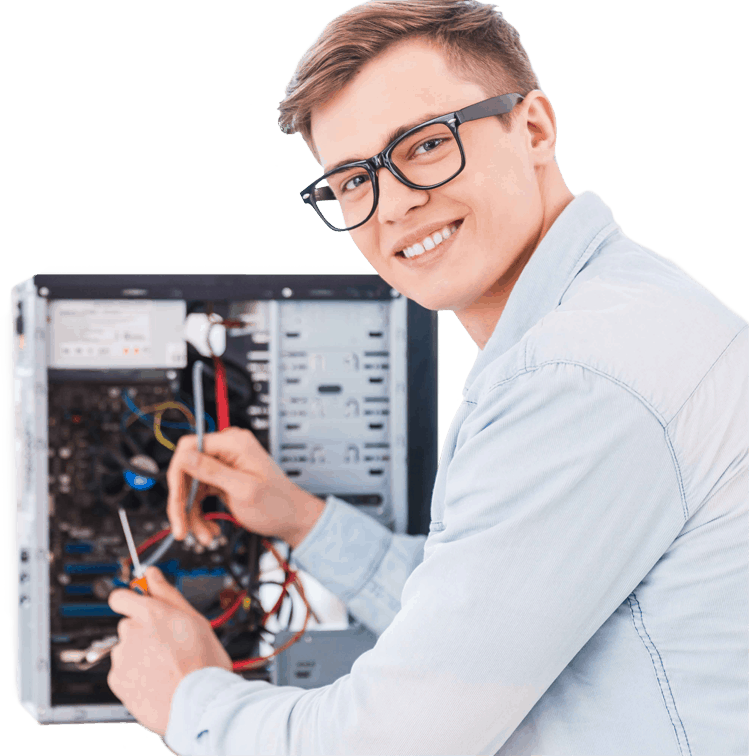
(583, 589)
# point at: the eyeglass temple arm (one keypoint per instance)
(321, 193)
(493, 106)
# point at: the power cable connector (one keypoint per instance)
(206, 332)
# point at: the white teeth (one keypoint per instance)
(430, 242)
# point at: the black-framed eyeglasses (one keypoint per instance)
(424, 157)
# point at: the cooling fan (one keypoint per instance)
(130, 470)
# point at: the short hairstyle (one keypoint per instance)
(480, 46)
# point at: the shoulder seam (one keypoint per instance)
(643, 401)
(611, 378)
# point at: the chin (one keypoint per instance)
(442, 300)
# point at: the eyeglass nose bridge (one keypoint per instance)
(384, 161)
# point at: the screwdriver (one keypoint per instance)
(139, 583)
(100, 649)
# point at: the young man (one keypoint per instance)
(583, 588)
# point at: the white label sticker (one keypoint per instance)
(101, 333)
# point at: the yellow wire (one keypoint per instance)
(158, 410)
(157, 421)
(160, 437)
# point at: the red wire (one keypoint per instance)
(218, 621)
(222, 394)
(222, 618)
(151, 541)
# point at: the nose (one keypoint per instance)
(397, 199)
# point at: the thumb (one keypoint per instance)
(160, 588)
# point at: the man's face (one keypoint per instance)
(495, 202)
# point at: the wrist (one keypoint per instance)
(308, 513)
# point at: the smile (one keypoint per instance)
(431, 242)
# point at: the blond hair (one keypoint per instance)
(477, 41)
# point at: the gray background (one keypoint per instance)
(142, 137)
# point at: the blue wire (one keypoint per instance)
(144, 418)
(182, 397)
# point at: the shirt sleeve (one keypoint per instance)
(561, 495)
(360, 561)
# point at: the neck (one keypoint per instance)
(481, 318)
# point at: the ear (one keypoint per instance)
(539, 124)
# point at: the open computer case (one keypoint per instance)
(335, 375)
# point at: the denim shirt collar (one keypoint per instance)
(568, 244)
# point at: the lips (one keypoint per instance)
(433, 254)
(427, 237)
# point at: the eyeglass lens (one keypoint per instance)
(426, 157)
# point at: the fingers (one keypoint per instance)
(130, 604)
(163, 590)
(205, 531)
(217, 476)
(179, 482)
(123, 626)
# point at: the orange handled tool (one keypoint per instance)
(140, 585)
(139, 582)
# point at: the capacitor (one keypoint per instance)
(102, 587)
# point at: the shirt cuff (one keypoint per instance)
(189, 702)
(344, 548)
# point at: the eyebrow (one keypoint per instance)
(389, 139)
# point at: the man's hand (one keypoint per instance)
(162, 639)
(238, 469)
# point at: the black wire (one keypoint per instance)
(253, 561)
(194, 355)
(291, 614)
(239, 575)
